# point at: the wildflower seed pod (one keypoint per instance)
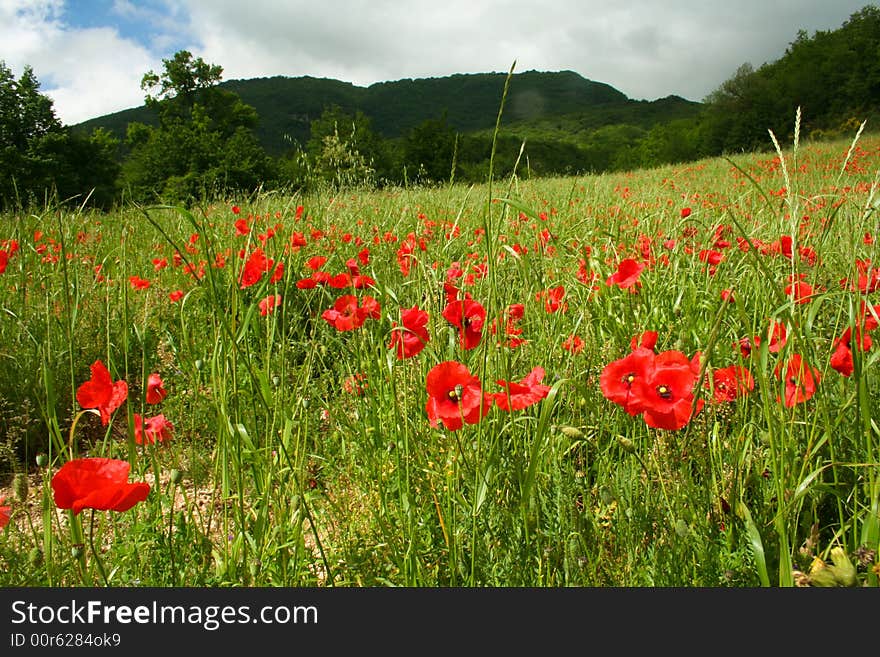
(42, 460)
(20, 486)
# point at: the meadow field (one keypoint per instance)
(658, 378)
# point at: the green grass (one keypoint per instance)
(282, 478)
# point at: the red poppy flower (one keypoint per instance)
(745, 345)
(339, 281)
(455, 396)
(627, 274)
(573, 343)
(316, 262)
(257, 264)
(712, 257)
(467, 316)
(842, 357)
(278, 273)
(370, 308)
(101, 392)
(645, 340)
(155, 390)
(730, 382)
(666, 395)
(157, 429)
(799, 291)
(269, 304)
(96, 483)
(355, 384)
(617, 379)
(868, 278)
(241, 227)
(138, 283)
(412, 336)
(512, 314)
(777, 336)
(800, 380)
(553, 299)
(5, 513)
(176, 295)
(347, 315)
(523, 394)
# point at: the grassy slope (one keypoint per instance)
(289, 479)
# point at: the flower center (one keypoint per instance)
(664, 392)
(455, 394)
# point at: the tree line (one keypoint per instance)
(205, 145)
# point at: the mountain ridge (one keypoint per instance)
(469, 101)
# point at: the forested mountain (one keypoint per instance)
(286, 106)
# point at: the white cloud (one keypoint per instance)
(86, 72)
(95, 72)
(646, 49)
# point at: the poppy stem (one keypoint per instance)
(171, 532)
(73, 429)
(94, 551)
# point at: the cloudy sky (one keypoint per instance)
(90, 55)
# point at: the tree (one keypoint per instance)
(428, 150)
(39, 157)
(204, 144)
(739, 113)
(184, 82)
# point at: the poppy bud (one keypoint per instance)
(20, 486)
(35, 557)
(627, 445)
(42, 460)
(176, 476)
(841, 573)
(199, 364)
(572, 432)
(76, 551)
(844, 571)
(821, 574)
(681, 528)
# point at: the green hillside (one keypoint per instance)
(545, 102)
